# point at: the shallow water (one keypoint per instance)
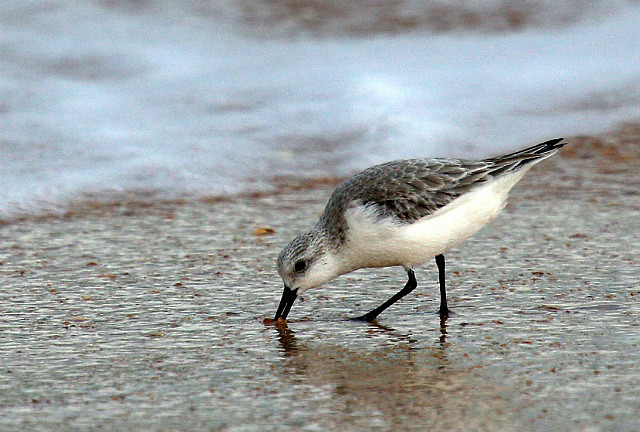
(151, 318)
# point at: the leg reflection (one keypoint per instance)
(443, 330)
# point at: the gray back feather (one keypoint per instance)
(408, 190)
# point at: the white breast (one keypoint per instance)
(372, 242)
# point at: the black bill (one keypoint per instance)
(288, 297)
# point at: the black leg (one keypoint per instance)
(410, 286)
(444, 310)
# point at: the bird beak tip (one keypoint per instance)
(288, 297)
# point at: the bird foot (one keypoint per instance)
(445, 313)
(366, 317)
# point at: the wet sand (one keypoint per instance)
(130, 317)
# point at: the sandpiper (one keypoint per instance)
(402, 213)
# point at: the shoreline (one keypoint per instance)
(618, 146)
(150, 317)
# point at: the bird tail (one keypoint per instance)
(526, 157)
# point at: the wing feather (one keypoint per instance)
(408, 190)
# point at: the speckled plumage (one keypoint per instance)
(402, 213)
(408, 190)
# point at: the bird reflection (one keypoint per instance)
(289, 344)
(443, 330)
(390, 373)
(286, 337)
(390, 331)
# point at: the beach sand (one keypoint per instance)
(151, 317)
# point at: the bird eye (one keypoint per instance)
(299, 266)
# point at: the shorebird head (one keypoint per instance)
(306, 262)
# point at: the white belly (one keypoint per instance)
(372, 242)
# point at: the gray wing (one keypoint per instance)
(411, 189)
(408, 190)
